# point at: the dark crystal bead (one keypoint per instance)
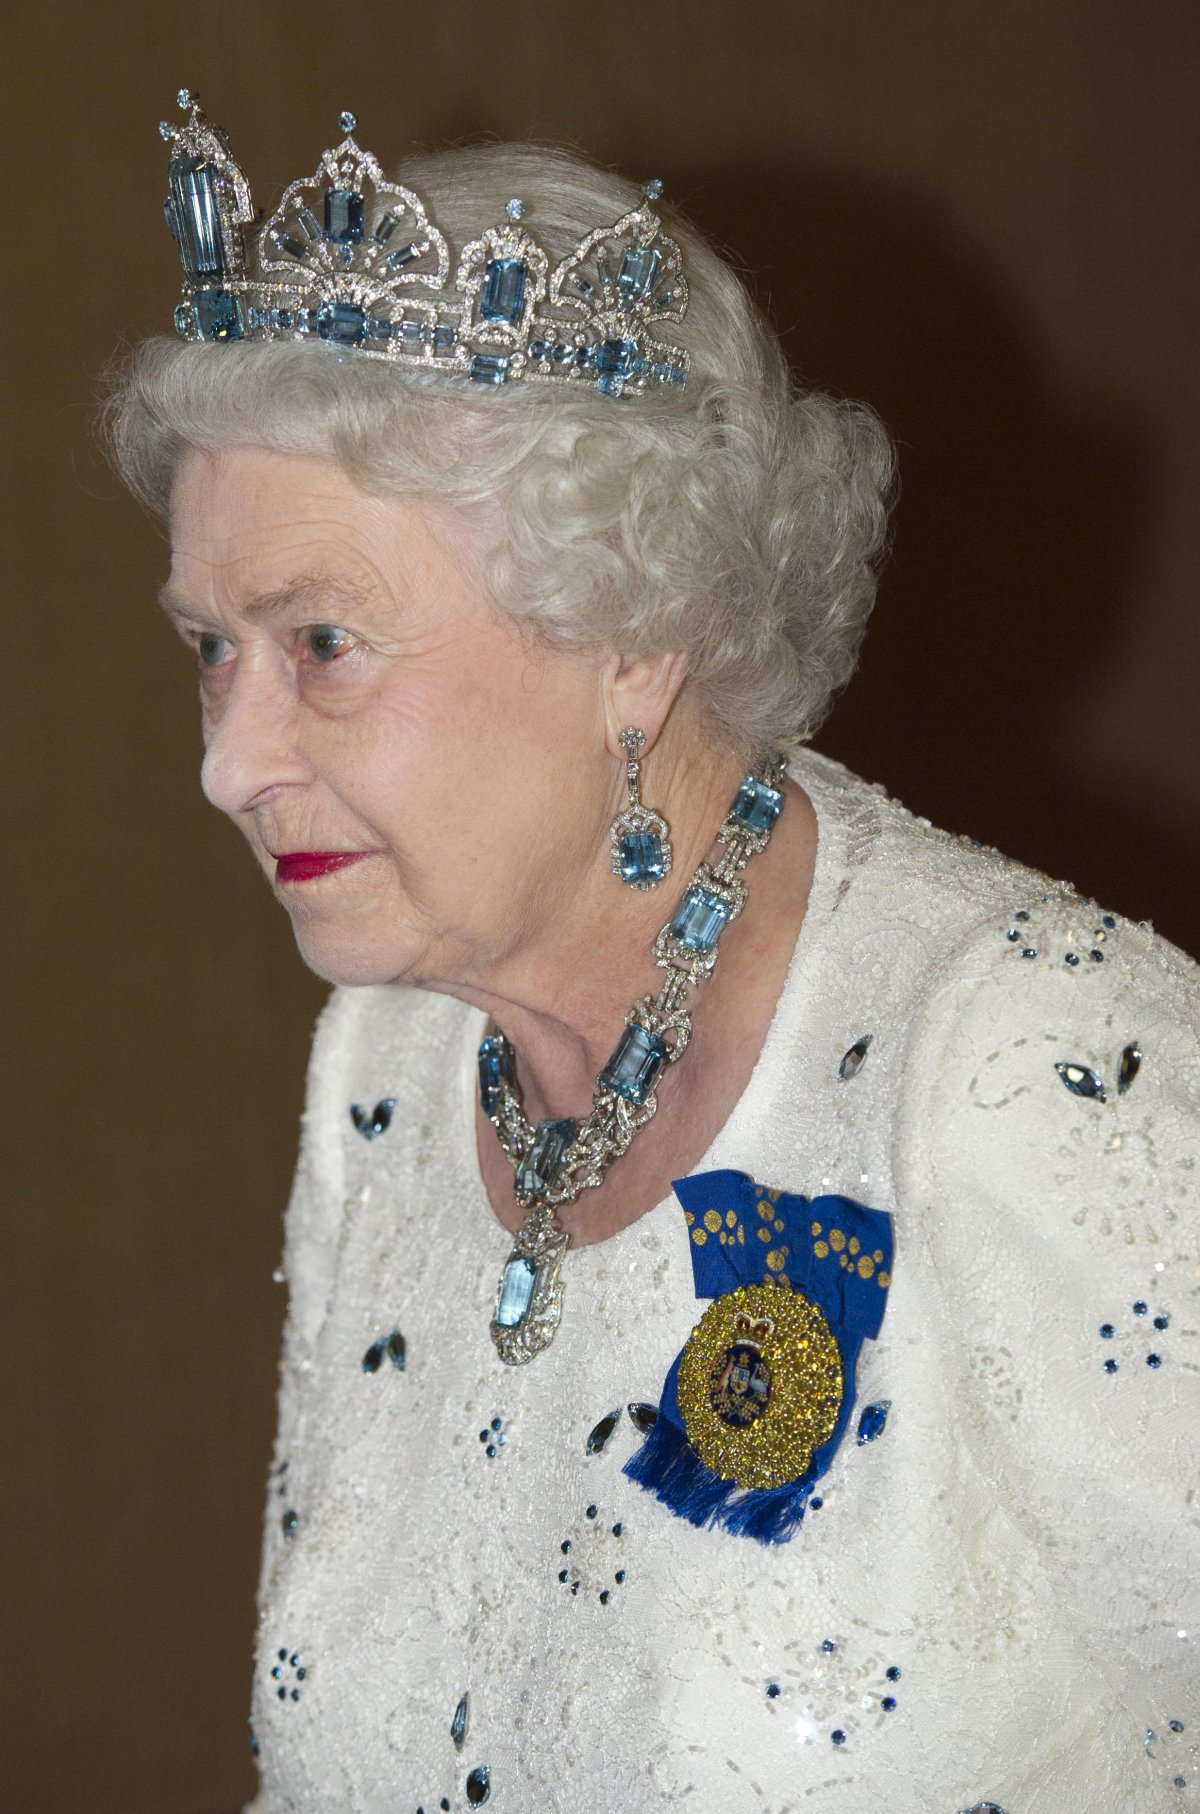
(1141, 1307)
(643, 1417)
(888, 1703)
(591, 1511)
(838, 1736)
(604, 1596)
(372, 1360)
(460, 1721)
(377, 1121)
(1129, 1066)
(873, 1420)
(602, 1435)
(291, 1523)
(479, 1785)
(1081, 1081)
(773, 1691)
(1161, 1322)
(853, 1061)
(1111, 1366)
(1154, 1360)
(892, 1674)
(1107, 1331)
(396, 1349)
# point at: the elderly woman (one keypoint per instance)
(742, 1345)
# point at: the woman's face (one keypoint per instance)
(364, 700)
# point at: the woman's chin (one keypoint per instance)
(340, 955)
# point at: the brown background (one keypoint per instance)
(981, 216)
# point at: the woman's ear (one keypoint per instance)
(640, 690)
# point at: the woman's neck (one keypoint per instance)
(562, 1005)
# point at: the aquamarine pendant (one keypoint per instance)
(529, 1297)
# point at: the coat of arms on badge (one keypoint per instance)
(756, 1404)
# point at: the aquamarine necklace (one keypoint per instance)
(556, 1160)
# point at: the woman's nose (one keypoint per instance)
(250, 735)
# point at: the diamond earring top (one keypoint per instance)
(351, 258)
(641, 848)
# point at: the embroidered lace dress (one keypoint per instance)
(993, 1600)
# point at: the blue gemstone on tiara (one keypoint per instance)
(489, 368)
(443, 337)
(341, 322)
(503, 295)
(281, 320)
(639, 269)
(217, 315)
(197, 221)
(378, 328)
(404, 255)
(343, 215)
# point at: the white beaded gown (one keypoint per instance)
(993, 1598)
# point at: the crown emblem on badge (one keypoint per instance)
(353, 259)
(745, 1329)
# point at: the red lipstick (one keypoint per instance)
(307, 865)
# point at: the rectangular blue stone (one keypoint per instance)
(495, 1070)
(642, 861)
(516, 1291)
(503, 293)
(217, 315)
(443, 336)
(700, 919)
(639, 268)
(536, 1172)
(634, 1065)
(341, 322)
(616, 356)
(396, 261)
(343, 216)
(756, 805)
(489, 368)
(197, 220)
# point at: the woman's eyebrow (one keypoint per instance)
(302, 589)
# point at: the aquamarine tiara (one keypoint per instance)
(349, 258)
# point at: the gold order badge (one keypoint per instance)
(760, 1385)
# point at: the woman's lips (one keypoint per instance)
(307, 865)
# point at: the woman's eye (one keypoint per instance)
(325, 642)
(212, 650)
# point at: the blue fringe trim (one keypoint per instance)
(667, 1466)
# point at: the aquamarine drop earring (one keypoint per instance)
(641, 847)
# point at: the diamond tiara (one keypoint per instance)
(352, 259)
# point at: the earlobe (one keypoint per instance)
(641, 689)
